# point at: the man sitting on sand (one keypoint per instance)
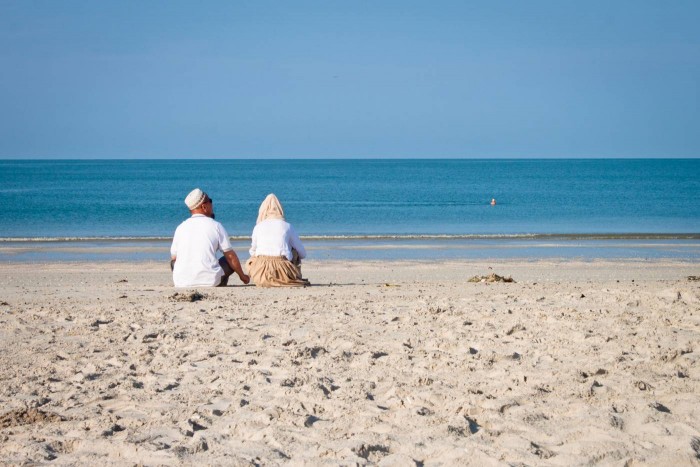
(195, 244)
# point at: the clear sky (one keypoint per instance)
(354, 78)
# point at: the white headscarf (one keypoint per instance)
(270, 209)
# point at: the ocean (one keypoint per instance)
(413, 209)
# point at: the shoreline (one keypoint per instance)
(380, 237)
(378, 362)
(387, 249)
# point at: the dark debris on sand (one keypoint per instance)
(27, 417)
(192, 296)
(493, 277)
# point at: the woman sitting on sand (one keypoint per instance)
(276, 251)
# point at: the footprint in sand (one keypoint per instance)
(660, 407)
(617, 422)
(540, 451)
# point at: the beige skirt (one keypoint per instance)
(274, 271)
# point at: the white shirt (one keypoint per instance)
(195, 244)
(275, 237)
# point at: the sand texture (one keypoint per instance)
(390, 364)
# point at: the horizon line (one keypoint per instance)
(331, 158)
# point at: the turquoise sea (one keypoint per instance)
(413, 209)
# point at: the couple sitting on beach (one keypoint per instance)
(275, 252)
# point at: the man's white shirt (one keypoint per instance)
(195, 244)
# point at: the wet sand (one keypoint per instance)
(401, 363)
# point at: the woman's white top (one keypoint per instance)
(276, 237)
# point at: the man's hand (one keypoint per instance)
(232, 259)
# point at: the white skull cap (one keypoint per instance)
(195, 199)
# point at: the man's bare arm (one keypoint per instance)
(235, 264)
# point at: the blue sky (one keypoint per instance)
(264, 79)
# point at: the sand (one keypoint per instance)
(398, 363)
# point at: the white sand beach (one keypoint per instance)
(400, 363)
